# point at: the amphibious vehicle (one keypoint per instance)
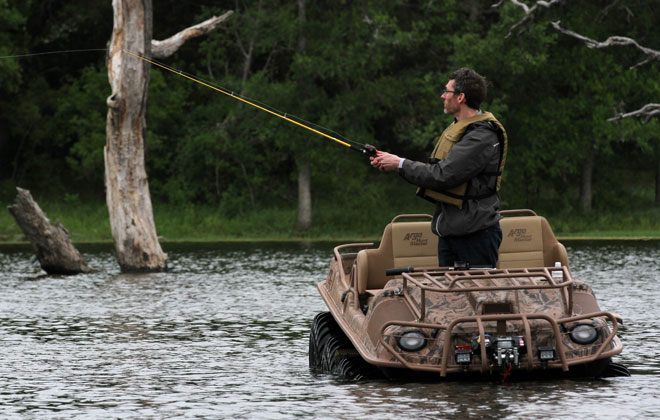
(392, 312)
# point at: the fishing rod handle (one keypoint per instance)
(370, 150)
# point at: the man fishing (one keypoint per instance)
(463, 175)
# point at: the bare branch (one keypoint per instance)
(167, 47)
(528, 10)
(601, 15)
(647, 112)
(610, 42)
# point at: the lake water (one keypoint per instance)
(224, 335)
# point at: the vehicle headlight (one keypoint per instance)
(412, 340)
(584, 334)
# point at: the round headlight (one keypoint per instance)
(584, 334)
(412, 341)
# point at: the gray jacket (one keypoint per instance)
(476, 152)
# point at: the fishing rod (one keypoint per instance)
(368, 149)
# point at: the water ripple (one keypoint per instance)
(224, 335)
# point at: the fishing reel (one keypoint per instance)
(369, 150)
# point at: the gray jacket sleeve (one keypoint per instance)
(476, 151)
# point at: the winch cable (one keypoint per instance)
(506, 374)
(366, 149)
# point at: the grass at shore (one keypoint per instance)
(88, 222)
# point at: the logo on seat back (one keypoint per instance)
(416, 239)
(519, 235)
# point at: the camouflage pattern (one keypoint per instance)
(365, 318)
(443, 308)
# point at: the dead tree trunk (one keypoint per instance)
(127, 188)
(586, 195)
(52, 242)
(303, 162)
(304, 194)
(657, 184)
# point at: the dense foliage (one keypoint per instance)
(370, 70)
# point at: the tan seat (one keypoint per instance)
(404, 244)
(528, 241)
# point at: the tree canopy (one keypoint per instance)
(370, 70)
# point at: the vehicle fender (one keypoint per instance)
(584, 300)
(384, 309)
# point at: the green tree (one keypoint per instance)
(35, 144)
(12, 42)
(558, 97)
(80, 114)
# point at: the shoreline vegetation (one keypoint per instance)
(221, 170)
(89, 223)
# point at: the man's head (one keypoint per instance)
(465, 86)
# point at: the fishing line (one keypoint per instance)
(53, 52)
(367, 149)
(256, 101)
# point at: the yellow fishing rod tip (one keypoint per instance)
(231, 94)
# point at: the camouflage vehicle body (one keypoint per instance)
(527, 316)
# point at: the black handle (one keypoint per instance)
(370, 150)
(397, 271)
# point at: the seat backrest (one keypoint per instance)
(414, 244)
(528, 241)
(403, 244)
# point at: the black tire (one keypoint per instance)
(331, 352)
(602, 368)
(615, 369)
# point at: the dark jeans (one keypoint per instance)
(477, 249)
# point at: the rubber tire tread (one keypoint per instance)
(331, 352)
(616, 369)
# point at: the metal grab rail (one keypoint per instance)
(412, 216)
(336, 249)
(501, 273)
(564, 364)
(420, 308)
(342, 274)
(508, 317)
(527, 212)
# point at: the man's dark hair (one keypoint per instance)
(472, 84)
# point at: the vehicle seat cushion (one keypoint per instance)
(362, 267)
(414, 244)
(522, 242)
(404, 244)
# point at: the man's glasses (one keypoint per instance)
(445, 91)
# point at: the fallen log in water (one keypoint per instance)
(52, 242)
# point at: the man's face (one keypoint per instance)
(451, 98)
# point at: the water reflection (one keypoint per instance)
(224, 335)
